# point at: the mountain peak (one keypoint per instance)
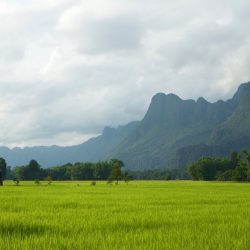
(173, 96)
(245, 85)
(162, 97)
(243, 93)
(202, 100)
(159, 95)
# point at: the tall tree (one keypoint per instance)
(3, 169)
(234, 159)
(116, 172)
(30, 172)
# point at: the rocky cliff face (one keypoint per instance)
(173, 130)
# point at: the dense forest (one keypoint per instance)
(235, 168)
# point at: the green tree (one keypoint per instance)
(127, 177)
(34, 171)
(49, 180)
(208, 168)
(3, 170)
(246, 156)
(116, 172)
(225, 176)
(235, 159)
(102, 170)
(242, 172)
(30, 172)
(10, 175)
(195, 170)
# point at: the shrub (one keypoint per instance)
(16, 182)
(109, 182)
(37, 182)
(49, 180)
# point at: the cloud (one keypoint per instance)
(69, 68)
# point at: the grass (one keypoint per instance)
(141, 215)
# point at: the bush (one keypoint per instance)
(37, 182)
(16, 182)
(49, 180)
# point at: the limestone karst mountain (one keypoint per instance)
(172, 133)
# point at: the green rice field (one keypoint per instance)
(141, 215)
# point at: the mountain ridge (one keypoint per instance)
(170, 128)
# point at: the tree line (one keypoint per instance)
(102, 170)
(234, 168)
(160, 174)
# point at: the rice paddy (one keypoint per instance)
(141, 215)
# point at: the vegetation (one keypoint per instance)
(116, 171)
(161, 174)
(102, 170)
(143, 215)
(3, 170)
(237, 168)
(234, 168)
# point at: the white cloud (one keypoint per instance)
(69, 68)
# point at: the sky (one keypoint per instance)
(68, 68)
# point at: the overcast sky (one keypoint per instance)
(70, 67)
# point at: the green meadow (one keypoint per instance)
(139, 215)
